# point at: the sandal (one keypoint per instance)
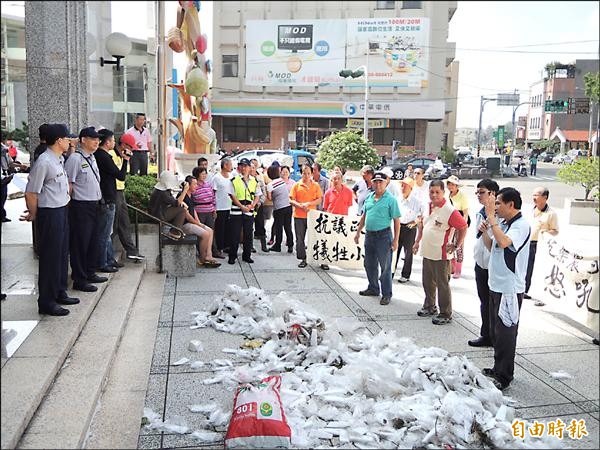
(212, 264)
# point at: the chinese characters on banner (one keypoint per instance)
(567, 276)
(331, 240)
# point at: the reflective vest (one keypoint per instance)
(244, 192)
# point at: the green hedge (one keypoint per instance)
(138, 189)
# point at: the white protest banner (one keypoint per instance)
(569, 277)
(331, 240)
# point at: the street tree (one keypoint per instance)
(584, 172)
(346, 149)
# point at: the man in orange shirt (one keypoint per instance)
(338, 198)
(304, 196)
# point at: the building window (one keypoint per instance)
(230, 66)
(385, 5)
(411, 5)
(242, 129)
(402, 131)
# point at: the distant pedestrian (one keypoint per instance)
(144, 146)
(380, 211)
(533, 160)
(411, 210)
(362, 188)
(259, 221)
(205, 203)
(421, 188)
(46, 197)
(459, 200)
(84, 178)
(304, 196)
(437, 249)
(279, 192)
(545, 220)
(509, 251)
(481, 255)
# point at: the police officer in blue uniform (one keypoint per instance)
(47, 196)
(84, 178)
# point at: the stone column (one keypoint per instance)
(57, 65)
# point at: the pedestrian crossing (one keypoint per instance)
(535, 177)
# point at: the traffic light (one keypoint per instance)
(345, 73)
(556, 105)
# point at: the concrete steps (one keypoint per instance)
(116, 423)
(60, 406)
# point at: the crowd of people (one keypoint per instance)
(230, 208)
(74, 197)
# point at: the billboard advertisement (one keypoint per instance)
(294, 52)
(312, 52)
(396, 50)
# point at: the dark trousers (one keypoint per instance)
(530, 263)
(208, 219)
(3, 197)
(483, 291)
(504, 339)
(259, 223)
(282, 220)
(175, 215)
(237, 223)
(53, 250)
(138, 163)
(222, 229)
(378, 261)
(122, 225)
(436, 280)
(406, 242)
(533, 169)
(83, 239)
(300, 226)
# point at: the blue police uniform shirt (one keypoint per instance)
(380, 213)
(48, 179)
(83, 174)
(508, 266)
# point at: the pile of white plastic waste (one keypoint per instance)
(343, 387)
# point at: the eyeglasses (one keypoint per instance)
(481, 192)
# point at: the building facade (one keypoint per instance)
(276, 81)
(13, 83)
(561, 82)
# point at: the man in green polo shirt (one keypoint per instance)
(380, 209)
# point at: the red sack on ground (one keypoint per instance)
(258, 419)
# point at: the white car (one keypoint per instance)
(559, 159)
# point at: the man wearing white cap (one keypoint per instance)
(380, 211)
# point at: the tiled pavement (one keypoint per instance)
(545, 344)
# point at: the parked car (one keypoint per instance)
(546, 156)
(463, 156)
(399, 168)
(573, 155)
(558, 158)
(294, 158)
(253, 154)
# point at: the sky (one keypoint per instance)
(515, 27)
(501, 46)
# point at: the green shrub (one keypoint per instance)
(584, 172)
(138, 189)
(348, 150)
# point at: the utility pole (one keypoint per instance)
(484, 100)
(161, 85)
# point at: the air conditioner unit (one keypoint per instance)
(151, 46)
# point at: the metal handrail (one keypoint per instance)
(161, 223)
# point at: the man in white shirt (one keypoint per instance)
(222, 183)
(411, 210)
(143, 139)
(421, 188)
(481, 254)
(509, 252)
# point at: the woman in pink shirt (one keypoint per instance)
(205, 203)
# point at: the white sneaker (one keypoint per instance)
(403, 280)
